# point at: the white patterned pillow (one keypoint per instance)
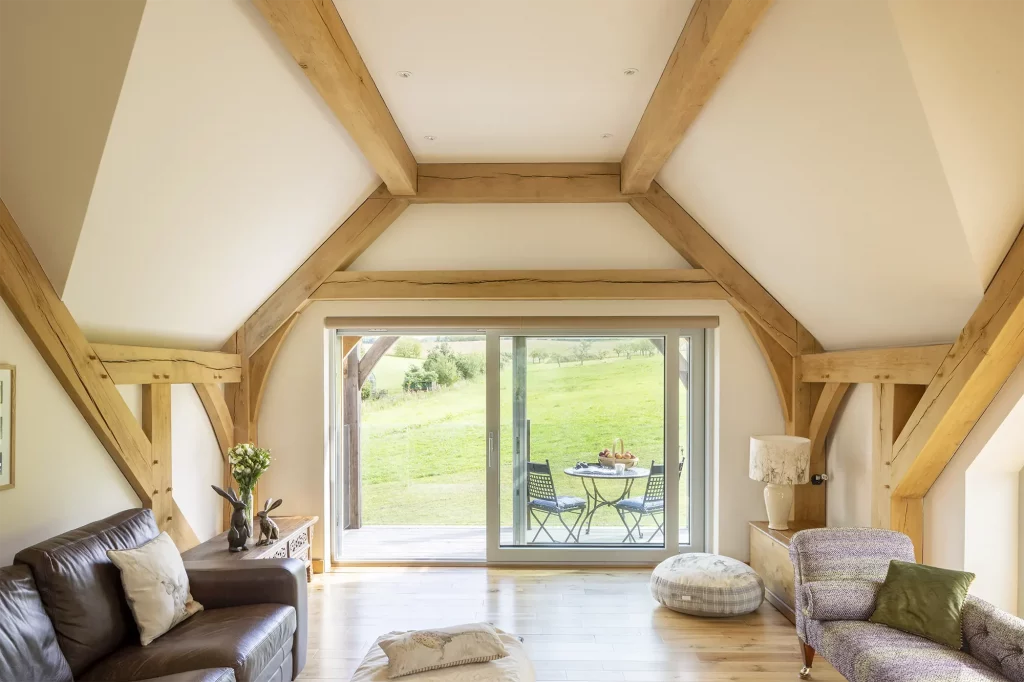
(422, 650)
(156, 586)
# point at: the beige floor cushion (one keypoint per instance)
(515, 667)
(707, 585)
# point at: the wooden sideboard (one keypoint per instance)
(769, 556)
(295, 542)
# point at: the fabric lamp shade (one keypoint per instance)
(782, 460)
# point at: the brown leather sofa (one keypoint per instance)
(64, 616)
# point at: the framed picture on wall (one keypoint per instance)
(6, 426)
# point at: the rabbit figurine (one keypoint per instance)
(241, 529)
(269, 532)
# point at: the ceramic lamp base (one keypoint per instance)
(779, 501)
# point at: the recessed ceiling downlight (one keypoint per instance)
(404, 74)
(605, 136)
(630, 71)
(429, 138)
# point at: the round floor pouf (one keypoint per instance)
(707, 585)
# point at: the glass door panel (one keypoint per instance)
(570, 409)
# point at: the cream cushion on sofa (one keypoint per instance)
(515, 667)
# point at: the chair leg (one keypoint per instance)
(567, 528)
(629, 536)
(636, 527)
(658, 527)
(541, 527)
(808, 652)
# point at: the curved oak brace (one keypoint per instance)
(366, 363)
(261, 362)
(216, 406)
(821, 421)
(348, 343)
(780, 363)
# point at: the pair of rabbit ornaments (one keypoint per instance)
(240, 530)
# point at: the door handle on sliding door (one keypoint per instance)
(490, 447)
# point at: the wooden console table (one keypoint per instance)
(769, 556)
(295, 542)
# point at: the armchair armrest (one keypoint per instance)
(218, 584)
(839, 599)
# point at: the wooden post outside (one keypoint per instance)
(351, 404)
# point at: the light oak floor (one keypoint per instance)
(586, 624)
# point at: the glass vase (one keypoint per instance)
(245, 495)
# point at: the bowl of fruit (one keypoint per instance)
(617, 455)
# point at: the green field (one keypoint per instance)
(424, 454)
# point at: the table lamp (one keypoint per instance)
(781, 462)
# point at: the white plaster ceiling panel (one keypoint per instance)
(223, 171)
(516, 80)
(519, 237)
(814, 166)
(967, 59)
(55, 111)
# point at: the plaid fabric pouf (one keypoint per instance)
(707, 585)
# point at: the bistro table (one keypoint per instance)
(595, 473)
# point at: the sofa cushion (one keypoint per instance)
(244, 638)
(28, 644)
(995, 638)
(206, 675)
(81, 588)
(866, 652)
(839, 599)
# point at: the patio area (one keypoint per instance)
(457, 544)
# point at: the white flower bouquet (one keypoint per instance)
(248, 463)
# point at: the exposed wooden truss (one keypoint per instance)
(219, 414)
(336, 253)
(58, 339)
(261, 362)
(314, 34)
(510, 183)
(142, 365)
(988, 349)
(701, 250)
(156, 424)
(522, 285)
(713, 35)
(910, 365)
(373, 354)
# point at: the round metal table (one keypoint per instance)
(595, 473)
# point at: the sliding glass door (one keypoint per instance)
(509, 446)
(588, 435)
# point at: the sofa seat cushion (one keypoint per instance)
(206, 675)
(244, 638)
(866, 652)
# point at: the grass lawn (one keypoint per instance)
(425, 454)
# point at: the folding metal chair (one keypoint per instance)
(651, 504)
(540, 488)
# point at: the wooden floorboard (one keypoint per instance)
(579, 624)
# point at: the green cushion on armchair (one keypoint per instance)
(923, 600)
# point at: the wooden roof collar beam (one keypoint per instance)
(713, 35)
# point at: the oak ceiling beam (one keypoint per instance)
(988, 349)
(713, 35)
(507, 183)
(701, 250)
(142, 365)
(909, 365)
(339, 250)
(540, 285)
(313, 32)
(30, 296)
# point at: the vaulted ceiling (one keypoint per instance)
(863, 160)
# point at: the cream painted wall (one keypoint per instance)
(990, 456)
(849, 453)
(223, 171)
(294, 426)
(62, 63)
(990, 543)
(63, 476)
(813, 164)
(196, 461)
(967, 60)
